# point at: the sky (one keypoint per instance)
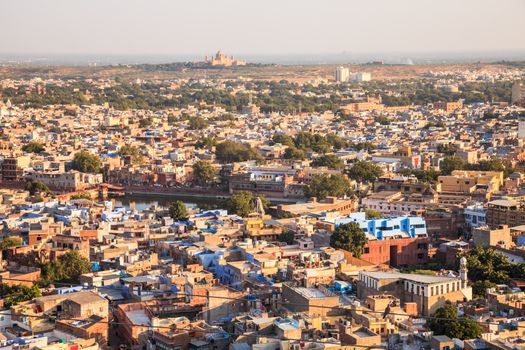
(259, 27)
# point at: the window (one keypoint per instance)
(366, 250)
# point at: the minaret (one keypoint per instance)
(463, 272)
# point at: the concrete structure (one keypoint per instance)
(342, 74)
(487, 237)
(312, 301)
(518, 93)
(428, 292)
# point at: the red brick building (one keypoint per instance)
(397, 252)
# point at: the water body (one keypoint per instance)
(144, 201)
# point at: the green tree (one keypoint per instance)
(15, 294)
(329, 160)
(324, 185)
(285, 140)
(372, 214)
(449, 149)
(83, 195)
(294, 153)
(198, 123)
(178, 211)
(35, 187)
(242, 203)
(349, 237)
(367, 146)
(204, 173)
(86, 162)
(364, 171)
(447, 322)
(10, 242)
(487, 267)
(449, 164)
(145, 123)
(33, 147)
(287, 236)
(230, 151)
(205, 143)
(67, 268)
(133, 152)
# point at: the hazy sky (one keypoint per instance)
(259, 26)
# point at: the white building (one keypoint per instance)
(362, 76)
(342, 74)
(475, 216)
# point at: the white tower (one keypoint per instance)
(463, 271)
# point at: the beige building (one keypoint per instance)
(67, 181)
(220, 59)
(428, 292)
(471, 182)
(518, 93)
(486, 237)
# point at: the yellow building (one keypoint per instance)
(220, 59)
(471, 181)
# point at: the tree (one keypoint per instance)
(349, 237)
(287, 236)
(145, 123)
(372, 214)
(449, 164)
(33, 147)
(367, 146)
(487, 267)
(324, 185)
(329, 160)
(133, 152)
(448, 323)
(364, 171)
(67, 268)
(285, 140)
(86, 162)
(204, 173)
(15, 294)
(10, 242)
(422, 175)
(449, 149)
(83, 195)
(178, 211)
(243, 203)
(206, 143)
(294, 153)
(198, 123)
(230, 151)
(35, 187)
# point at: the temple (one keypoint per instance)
(220, 59)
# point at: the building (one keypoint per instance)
(220, 59)
(428, 292)
(342, 74)
(13, 168)
(518, 93)
(329, 204)
(475, 216)
(362, 76)
(487, 237)
(67, 181)
(448, 107)
(312, 301)
(471, 183)
(400, 241)
(505, 212)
